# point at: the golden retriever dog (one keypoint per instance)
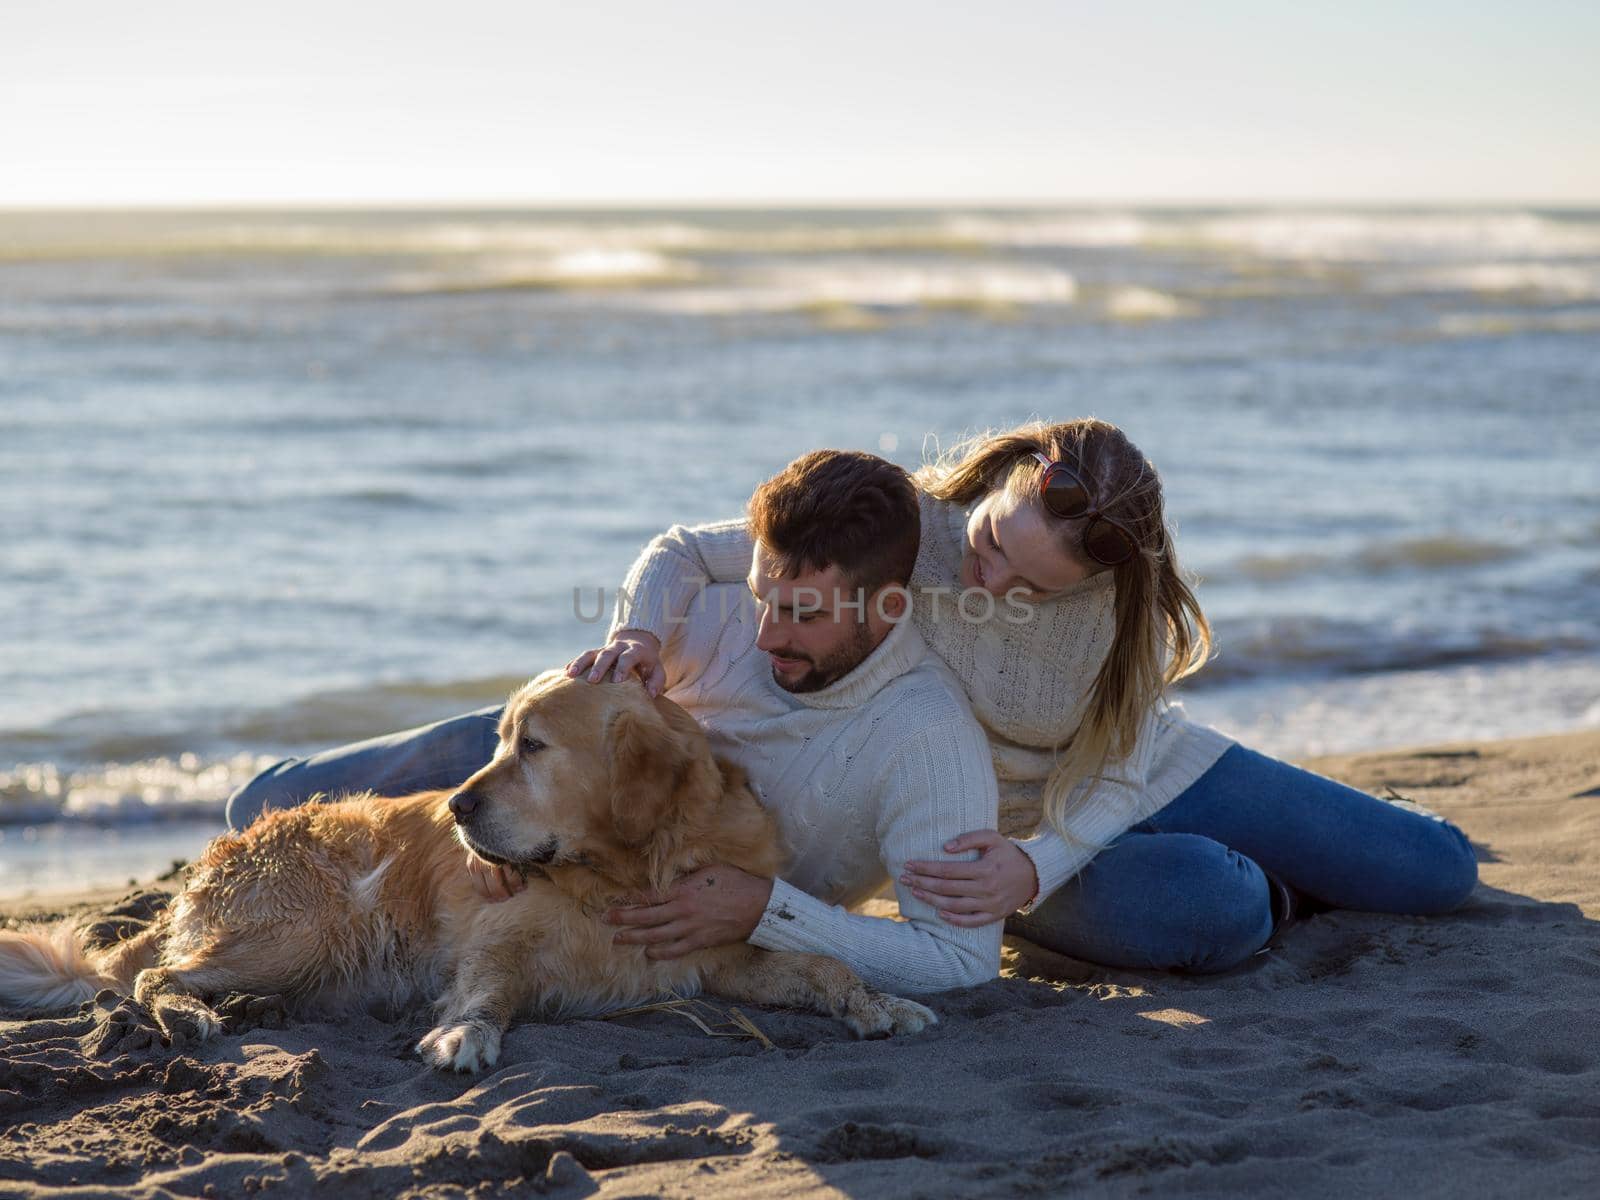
(596, 792)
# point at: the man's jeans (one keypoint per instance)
(1184, 890)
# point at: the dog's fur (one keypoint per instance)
(596, 792)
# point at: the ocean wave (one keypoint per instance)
(590, 267)
(1329, 234)
(1557, 281)
(1467, 702)
(1377, 236)
(1273, 568)
(1284, 646)
(181, 787)
(1311, 235)
(1433, 553)
(1509, 323)
(127, 772)
(1063, 230)
(876, 284)
(1441, 552)
(1133, 304)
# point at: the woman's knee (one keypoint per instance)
(1171, 901)
(1450, 874)
(1232, 916)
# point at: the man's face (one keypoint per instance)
(808, 637)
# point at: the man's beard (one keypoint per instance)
(836, 666)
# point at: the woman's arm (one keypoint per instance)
(671, 571)
(989, 889)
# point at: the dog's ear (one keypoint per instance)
(662, 772)
(646, 761)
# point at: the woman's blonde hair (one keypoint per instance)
(1157, 614)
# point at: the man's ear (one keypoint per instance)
(645, 763)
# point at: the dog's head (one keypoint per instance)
(584, 773)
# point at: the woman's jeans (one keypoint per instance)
(1185, 890)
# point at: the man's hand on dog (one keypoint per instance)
(631, 652)
(714, 906)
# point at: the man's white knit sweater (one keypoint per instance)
(883, 765)
(1028, 682)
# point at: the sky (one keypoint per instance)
(178, 102)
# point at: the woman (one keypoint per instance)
(1129, 835)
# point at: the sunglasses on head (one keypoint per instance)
(1065, 494)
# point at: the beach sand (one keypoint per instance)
(1453, 1056)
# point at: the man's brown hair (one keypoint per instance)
(846, 508)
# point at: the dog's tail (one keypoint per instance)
(44, 967)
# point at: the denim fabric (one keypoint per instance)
(1186, 889)
(441, 755)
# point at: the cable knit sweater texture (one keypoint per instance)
(1028, 682)
(880, 767)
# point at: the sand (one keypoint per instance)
(1453, 1056)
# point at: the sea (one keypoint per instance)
(274, 481)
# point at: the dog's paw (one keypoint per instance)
(878, 1014)
(185, 1020)
(907, 1016)
(467, 1046)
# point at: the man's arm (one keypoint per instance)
(939, 785)
(671, 571)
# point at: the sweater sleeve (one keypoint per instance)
(940, 784)
(1097, 812)
(673, 569)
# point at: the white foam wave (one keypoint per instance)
(1043, 230)
(1560, 281)
(151, 789)
(1146, 304)
(589, 266)
(1451, 704)
(1351, 236)
(875, 284)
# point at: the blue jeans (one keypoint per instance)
(442, 755)
(1185, 890)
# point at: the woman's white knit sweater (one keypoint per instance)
(1028, 681)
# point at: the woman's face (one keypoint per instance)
(1011, 544)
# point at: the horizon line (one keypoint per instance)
(834, 204)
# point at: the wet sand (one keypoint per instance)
(1453, 1056)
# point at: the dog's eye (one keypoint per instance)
(531, 745)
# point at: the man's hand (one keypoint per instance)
(631, 652)
(714, 906)
(494, 883)
(990, 888)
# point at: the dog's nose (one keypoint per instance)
(463, 804)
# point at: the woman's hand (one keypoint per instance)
(631, 652)
(494, 883)
(988, 889)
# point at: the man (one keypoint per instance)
(812, 678)
(855, 735)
